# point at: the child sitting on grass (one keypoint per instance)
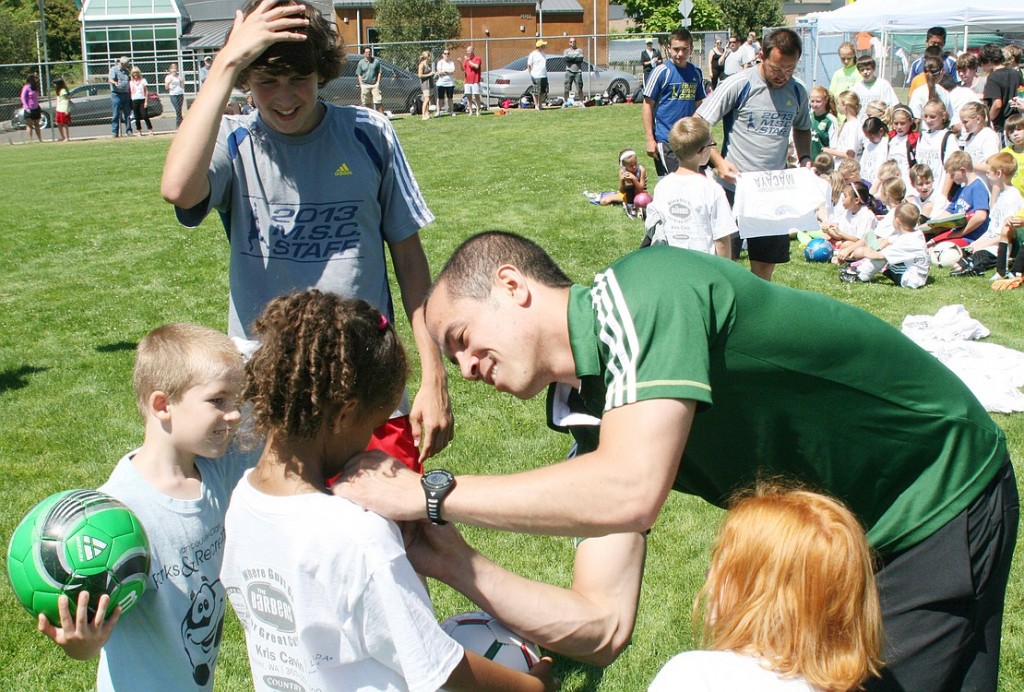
(856, 219)
(187, 380)
(1013, 238)
(889, 169)
(902, 257)
(632, 181)
(926, 196)
(689, 210)
(789, 602)
(892, 193)
(983, 253)
(324, 589)
(971, 198)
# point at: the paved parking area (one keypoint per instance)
(162, 124)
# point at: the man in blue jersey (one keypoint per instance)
(674, 90)
(310, 194)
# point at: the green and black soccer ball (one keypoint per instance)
(73, 541)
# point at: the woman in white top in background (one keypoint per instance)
(175, 87)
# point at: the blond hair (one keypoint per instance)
(879, 109)
(888, 169)
(849, 99)
(907, 215)
(688, 136)
(178, 356)
(937, 104)
(848, 166)
(957, 160)
(973, 109)
(792, 582)
(1002, 162)
(893, 190)
(838, 182)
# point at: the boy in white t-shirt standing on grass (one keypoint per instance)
(689, 210)
(188, 380)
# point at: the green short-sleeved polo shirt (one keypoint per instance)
(787, 382)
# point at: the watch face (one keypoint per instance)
(437, 478)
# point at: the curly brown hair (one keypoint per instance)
(323, 51)
(318, 352)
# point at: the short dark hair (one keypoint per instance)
(323, 51)
(469, 273)
(865, 60)
(932, 50)
(990, 54)
(936, 31)
(681, 34)
(785, 41)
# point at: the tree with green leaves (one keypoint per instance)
(662, 16)
(18, 34)
(751, 15)
(63, 30)
(416, 23)
(17, 37)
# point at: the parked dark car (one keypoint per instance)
(399, 87)
(90, 105)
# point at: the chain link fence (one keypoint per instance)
(612, 68)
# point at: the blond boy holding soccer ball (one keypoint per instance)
(187, 380)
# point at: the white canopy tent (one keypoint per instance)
(881, 16)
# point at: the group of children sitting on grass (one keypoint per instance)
(889, 186)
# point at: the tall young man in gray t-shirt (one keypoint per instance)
(759, 108)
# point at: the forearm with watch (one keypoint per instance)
(436, 483)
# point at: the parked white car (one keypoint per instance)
(513, 81)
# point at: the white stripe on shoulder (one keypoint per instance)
(617, 332)
(396, 160)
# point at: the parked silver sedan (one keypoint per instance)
(513, 81)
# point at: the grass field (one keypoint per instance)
(92, 258)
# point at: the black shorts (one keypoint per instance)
(34, 113)
(942, 599)
(665, 160)
(445, 92)
(770, 249)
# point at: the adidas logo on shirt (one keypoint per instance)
(343, 169)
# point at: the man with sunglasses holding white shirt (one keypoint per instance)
(760, 106)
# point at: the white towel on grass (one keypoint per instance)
(993, 373)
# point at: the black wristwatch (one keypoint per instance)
(436, 486)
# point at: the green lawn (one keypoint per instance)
(92, 258)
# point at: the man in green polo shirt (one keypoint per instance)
(680, 371)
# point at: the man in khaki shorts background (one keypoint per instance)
(368, 74)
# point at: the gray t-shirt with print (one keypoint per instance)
(757, 120)
(310, 211)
